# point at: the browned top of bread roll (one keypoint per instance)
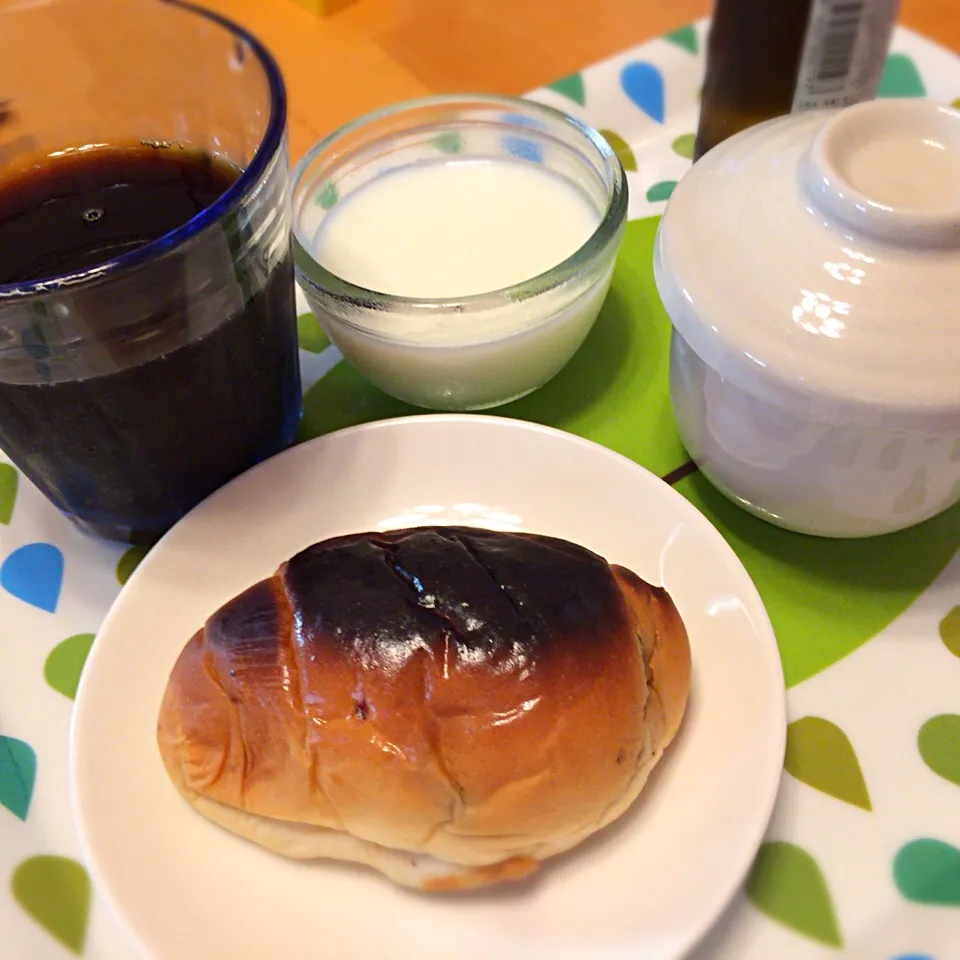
(478, 697)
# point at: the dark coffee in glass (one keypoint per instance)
(148, 348)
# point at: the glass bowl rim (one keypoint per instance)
(230, 198)
(317, 278)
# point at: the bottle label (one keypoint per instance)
(843, 52)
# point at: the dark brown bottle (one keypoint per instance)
(767, 58)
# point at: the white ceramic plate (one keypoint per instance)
(647, 887)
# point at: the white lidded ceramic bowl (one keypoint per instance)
(811, 268)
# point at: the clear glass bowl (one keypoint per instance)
(481, 350)
(131, 390)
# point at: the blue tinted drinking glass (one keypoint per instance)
(135, 384)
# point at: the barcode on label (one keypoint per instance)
(843, 52)
(837, 45)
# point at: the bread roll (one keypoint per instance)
(449, 705)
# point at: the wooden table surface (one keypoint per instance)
(375, 52)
